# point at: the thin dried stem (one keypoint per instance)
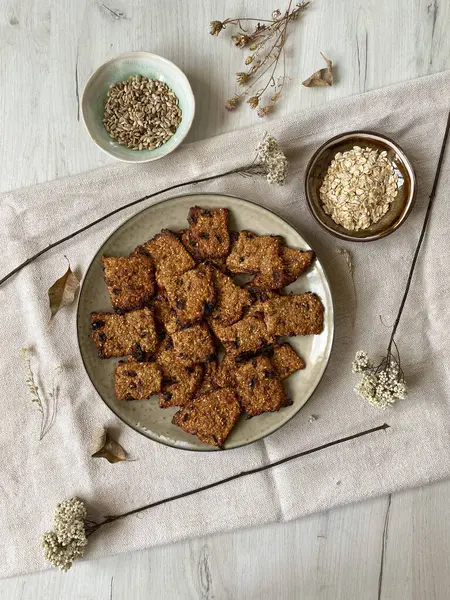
(257, 41)
(92, 527)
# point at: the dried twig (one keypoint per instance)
(266, 44)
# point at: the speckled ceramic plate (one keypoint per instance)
(145, 416)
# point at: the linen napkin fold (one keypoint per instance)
(36, 475)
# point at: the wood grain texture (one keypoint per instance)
(389, 548)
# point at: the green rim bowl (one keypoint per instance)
(402, 204)
(118, 69)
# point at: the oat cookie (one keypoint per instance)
(296, 262)
(165, 316)
(259, 387)
(251, 253)
(130, 281)
(210, 417)
(133, 333)
(208, 232)
(192, 294)
(246, 337)
(169, 255)
(295, 314)
(194, 344)
(180, 382)
(231, 300)
(137, 381)
(285, 360)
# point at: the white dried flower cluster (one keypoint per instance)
(67, 540)
(361, 362)
(273, 159)
(381, 387)
(359, 187)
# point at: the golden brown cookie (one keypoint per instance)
(210, 417)
(208, 232)
(137, 381)
(246, 337)
(231, 300)
(295, 314)
(169, 255)
(180, 382)
(286, 360)
(132, 333)
(130, 281)
(251, 253)
(259, 387)
(192, 294)
(194, 344)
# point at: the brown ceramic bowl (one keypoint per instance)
(402, 204)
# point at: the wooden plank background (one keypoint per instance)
(389, 548)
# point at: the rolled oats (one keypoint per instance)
(359, 187)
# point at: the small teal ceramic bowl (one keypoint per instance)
(119, 69)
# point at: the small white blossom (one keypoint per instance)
(380, 386)
(67, 540)
(273, 159)
(361, 362)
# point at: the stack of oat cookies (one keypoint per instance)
(177, 307)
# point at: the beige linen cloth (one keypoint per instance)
(36, 475)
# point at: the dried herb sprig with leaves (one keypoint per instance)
(265, 56)
(269, 162)
(46, 403)
(384, 383)
(71, 526)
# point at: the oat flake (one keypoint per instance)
(359, 187)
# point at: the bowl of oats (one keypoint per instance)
(360, 186)
(138, 107)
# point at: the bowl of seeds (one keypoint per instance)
(138, 107)
(360, 186)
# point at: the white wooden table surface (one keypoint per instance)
(389, 548)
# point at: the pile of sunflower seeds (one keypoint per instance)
(359, 187)
(141, 113)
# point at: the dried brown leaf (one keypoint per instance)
(108, 448)
(321, 77)
(63, 291)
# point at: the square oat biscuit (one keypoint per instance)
(130, 281)
(209, 378)
(296, 262)
(295, 314)
(165, 316)
(180, 382)
(259, 387)
(225, 373)
(132, 333)
(194, 344)
(246, 337)
(231, 300)
(218, 262)
(169, 255)
(192, 294)
(251, 253)
(285, 360)
(137, 381)
(210, 417)
(208, 232)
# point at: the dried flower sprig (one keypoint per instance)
(266, 45)
(67, 540)
(46, 406)
(381, 385)
(385, 383)
(253, 169)
(72, 528)
(273, 159)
